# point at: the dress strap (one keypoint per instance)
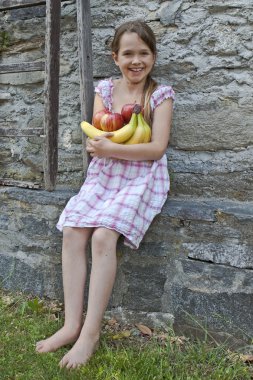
(162, 93)
(105, 89)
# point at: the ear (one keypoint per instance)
(115, 58)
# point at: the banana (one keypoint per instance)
(147, 135)
(123, 134)
(120, 136)
(91, 131)
(142, 133)
(147, 128)
(139, 134)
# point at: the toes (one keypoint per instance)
(63, 362)
(40, 350)
(76, 365)
(39, 347)
(39, 344)
(70, 365)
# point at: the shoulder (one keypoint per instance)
(161, 93)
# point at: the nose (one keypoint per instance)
(136, 60)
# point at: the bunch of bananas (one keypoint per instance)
(137, 131)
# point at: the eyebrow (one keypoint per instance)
(130, 50)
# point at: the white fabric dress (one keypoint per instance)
(119, 194)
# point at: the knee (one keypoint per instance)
(68, 234)
(75, 236)
(104, 239)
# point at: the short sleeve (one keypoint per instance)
(162, 93)
(104, 88)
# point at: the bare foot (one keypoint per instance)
(61, 338)
(80, 353)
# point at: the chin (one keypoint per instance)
(137, 80)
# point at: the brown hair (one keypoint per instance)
(147, 35)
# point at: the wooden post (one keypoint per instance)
(52, 45)
(85, 67)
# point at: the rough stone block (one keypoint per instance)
(153, 320)
(209, 174)
(230, 253)
(32, 273)
(214, 297)
(211, 123)
(145, 285)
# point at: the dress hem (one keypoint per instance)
(127, 241)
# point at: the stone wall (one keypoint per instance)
(195, 263)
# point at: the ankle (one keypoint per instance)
(91, 334)
(73, 328)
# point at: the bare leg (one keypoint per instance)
(74, 270)
(104, 265)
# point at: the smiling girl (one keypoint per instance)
(125, 188)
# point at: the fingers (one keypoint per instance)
(90, 142)
(105, 135)
(99, 146)
(90, 150)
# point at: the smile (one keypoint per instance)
(136, 70)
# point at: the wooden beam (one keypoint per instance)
(22, 67)
(51, 110)
(4, 96)
(27, 132)
(85, 66)
(12, 4)
(24, 184)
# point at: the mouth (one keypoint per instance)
(136, 70)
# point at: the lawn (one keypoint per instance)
(126, 352)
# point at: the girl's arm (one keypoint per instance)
(154, 150)
(98, 104)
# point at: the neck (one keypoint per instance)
(135, 89)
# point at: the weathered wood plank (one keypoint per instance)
(22, 67)
(5, 96)
(85, 66)
(25, 184)
(51, 110)
(14, 132)
(12, 4)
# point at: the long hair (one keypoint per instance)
(147, 35)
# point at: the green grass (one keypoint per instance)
(130, 356)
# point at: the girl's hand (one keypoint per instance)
(100, 146)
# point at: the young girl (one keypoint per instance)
(126, 186)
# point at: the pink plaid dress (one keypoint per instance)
(118, 194)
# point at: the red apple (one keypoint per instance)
(127, 111)
(96, 121)
(111, 122)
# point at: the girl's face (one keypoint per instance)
(134, 58)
